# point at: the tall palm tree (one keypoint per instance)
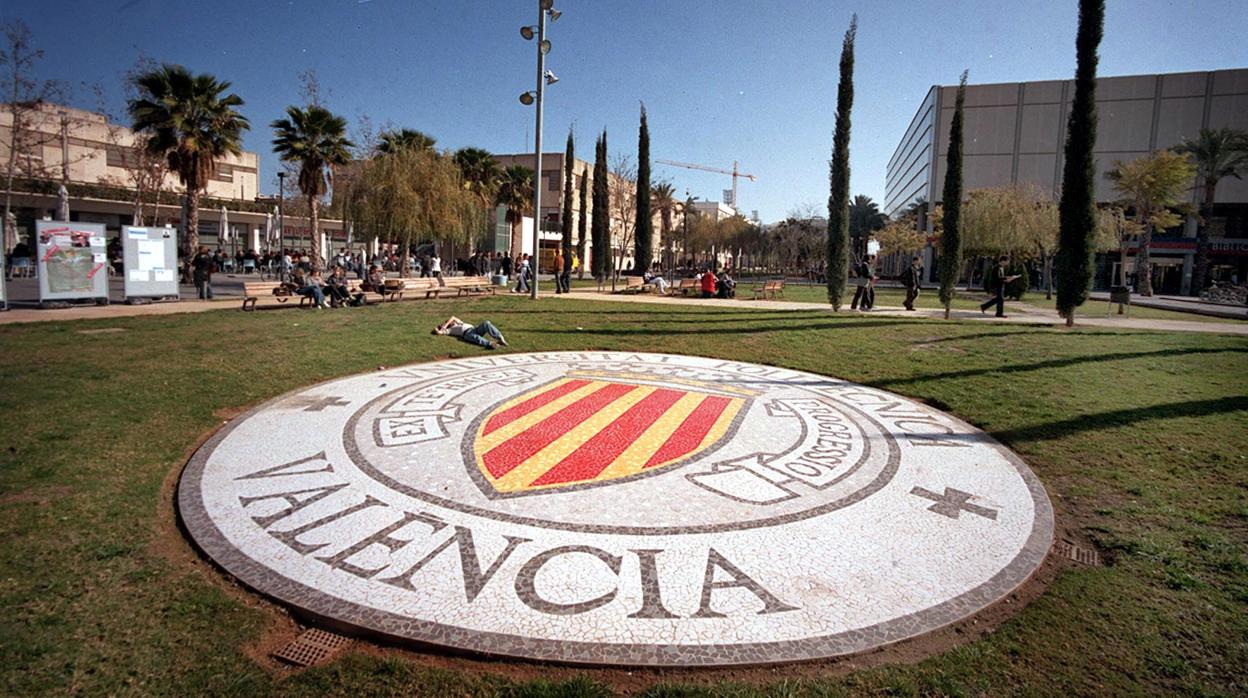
(1217, 153)
(515, 191)
(663, 200)
(864, 218)
(480, 172)
(316, 140)
(190, 122)
(393, 141)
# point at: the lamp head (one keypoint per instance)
(551, 78)
(554, 14)
(545, 46)
(546, 4)
(527, 33)
(527, 98)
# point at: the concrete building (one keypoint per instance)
(1015, 133)
(715, 210)
(98, 161)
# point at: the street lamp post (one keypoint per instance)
(281, 226)
(544, 77)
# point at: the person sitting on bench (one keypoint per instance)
(658, 281)
(310, 286)
(479, 335)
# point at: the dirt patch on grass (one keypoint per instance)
(38, 496)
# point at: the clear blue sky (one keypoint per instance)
(721, 79)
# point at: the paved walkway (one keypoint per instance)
(1021, 313)
(1182, 304)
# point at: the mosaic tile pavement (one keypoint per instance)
(613, 508)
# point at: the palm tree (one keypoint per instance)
(316, 140)
(663, 200)
(480, 171)
(393, 141)
(864, 218)
(515, 191)
(1217, 153)
(189, 121)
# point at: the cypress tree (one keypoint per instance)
(581, 222)
(838, 176)
(569, 155)
(644, 235)
(951, 237)
(1077, 209)
(600, 232)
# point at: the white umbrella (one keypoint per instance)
(62, 204)
(224, 235)
(10, 233)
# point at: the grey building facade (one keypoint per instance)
(1015, 132)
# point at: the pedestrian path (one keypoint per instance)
(1180, 304)
(1020, 314)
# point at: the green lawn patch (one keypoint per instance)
(1140, 437)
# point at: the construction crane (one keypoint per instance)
(734, 172)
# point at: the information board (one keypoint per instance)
(151, 262)
(73, 263)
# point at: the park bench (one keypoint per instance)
(636, 284)
(462, 285)
(774, 288)
(689, 286)
(253, 291)
(395, 288)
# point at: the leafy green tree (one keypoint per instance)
(316, 140)
(1155, 187)
(515, 191)
(838, 178)
(1218, 153)
(1077, 208)
(393, 141)
(600, 231)
(950, 263)
(643, 252)
(569, 157)
(582, 221)
(190, 121)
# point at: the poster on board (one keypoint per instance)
(150, 259)
(73, 262)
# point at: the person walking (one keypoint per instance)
(558, 271)
(865, 292)
(435, 268)
(998, 288)
(912, 278)
(202, 266)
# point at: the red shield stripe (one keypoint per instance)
(691, 432)
(538, 401)
(504, 457)
(600, 451)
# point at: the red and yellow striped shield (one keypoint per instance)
(595, 427)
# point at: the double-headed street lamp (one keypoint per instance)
(545, 8)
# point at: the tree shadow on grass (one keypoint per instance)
(1037, 332)
(700, 329)
(1121, 418)
(1052, 363)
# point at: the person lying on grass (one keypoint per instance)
(479, 335)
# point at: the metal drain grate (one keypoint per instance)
(1083, 556)
(312, 647)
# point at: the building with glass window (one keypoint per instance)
(1015, 133)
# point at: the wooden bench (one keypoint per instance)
(635, 284)
(462, 285)
(395, 288)
(688, 286)
(774, 288)
(255, 290)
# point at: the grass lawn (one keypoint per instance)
(1141, 439)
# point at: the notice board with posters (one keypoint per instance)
(73, 262)
(151, 262)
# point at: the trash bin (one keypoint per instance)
(499, 280)
(1120, 295)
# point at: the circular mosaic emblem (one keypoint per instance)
(614, 508)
